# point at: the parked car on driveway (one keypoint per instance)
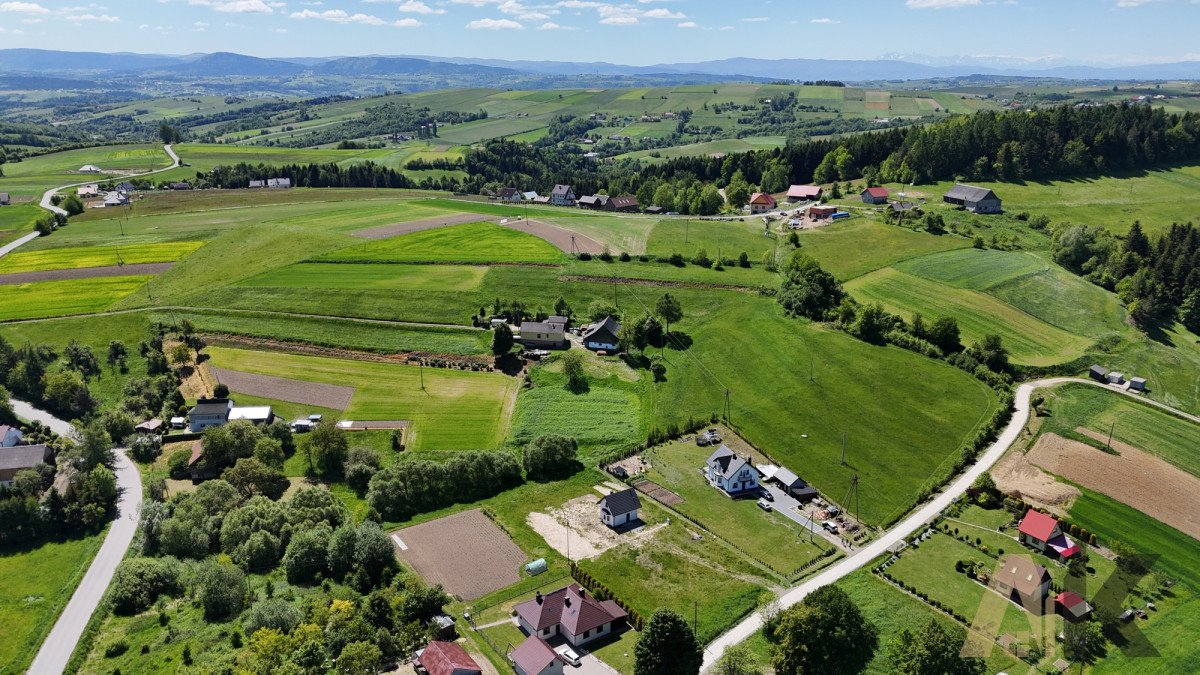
(764, 505)
(567, 654)
(830, 526)
(766, 494)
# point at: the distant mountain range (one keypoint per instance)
(28, 62)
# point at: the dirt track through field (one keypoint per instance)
(559, 237)
(387, 231)
(84, 273)
(466, 553)
(1135, 477)
(284, 389)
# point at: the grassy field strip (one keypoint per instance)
(471, 242)
(852, 248)
(95, 256)
(973, 268)
(63, 298)
(456, 410)
(1029, 339)
(371, 276)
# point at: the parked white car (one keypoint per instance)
(567, 654)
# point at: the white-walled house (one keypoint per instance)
(620, 508)
(571, 613)
(730, 473)
(535, 657)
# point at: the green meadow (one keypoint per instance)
(448, 409)
(356, 276)
(851, 248)
(35, 175)
(94, 256)
(472, 242)
(61, 298)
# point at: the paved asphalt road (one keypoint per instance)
(56, 650)
(917, 520)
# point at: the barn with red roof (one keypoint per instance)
(446, 658)
(875, 195)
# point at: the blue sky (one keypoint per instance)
(631, 31)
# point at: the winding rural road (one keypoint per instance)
(919, 518)
(49, 194)
(56, 649)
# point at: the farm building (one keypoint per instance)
(592, 202)
(654, 210)
(875, 195)
(903, 207)
(258, 414)
(571, 613)
(87, 191)
(4, 199)
(89, 168)
(209, 412)
(804, 193)
(445, 658)
(1116, 378)
(1021, 579)
(530, 196)
(620, 508)
(1137, 384)
(541, 334)
(558, 320)
(602, 335)
(1041, 532)
(20, 457)
(562, 195)
(258, 184)
(9, 436)
(1072, 606)
(793, 484)
(822, 211)
(115, 199)
(623, 204)
(180, 186)
(1098, 373)
(279, 183)
(151, 426)
(761, 202)
(535, 657)
(973, 199)
(198, 469)
(510, 194)
(729, 473)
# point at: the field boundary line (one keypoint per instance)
(219, 310)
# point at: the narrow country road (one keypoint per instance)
(919, 518)
(49, 194)
(56, 649)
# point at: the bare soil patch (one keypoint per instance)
(466, 553)
(657, 492)
(1016, 476)
(633, 466)
(368, 425)
(284, 389)
(387, 231)
(84, 273)
(1135, 478)
(575, 528)
(559, 237)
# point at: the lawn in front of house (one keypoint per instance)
(767, 536)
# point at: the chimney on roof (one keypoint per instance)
(538, 597)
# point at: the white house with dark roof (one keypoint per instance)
(602, 335)
(730, 473)
(542, 334)
(535, 656)
(209, 412)
(562, 195)
(620, 508)
(570, 612)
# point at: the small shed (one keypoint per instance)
(4, 199)
(1137, 383)
(441, 626)
(1098, 373)
(153, 426)
(1116, 378)
(536, 567)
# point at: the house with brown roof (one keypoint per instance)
(445, 658)
(570, 612)
(622, 204)
(1022, 580)
(510, 194)
(1041, 531)
(761, 202)
(534, 656)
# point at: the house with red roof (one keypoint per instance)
(1072, 606)
(761, 202)
(804, 193)
(1040, 531)
(535, 656)
(571, 613)
(875, 195)
(446, 658)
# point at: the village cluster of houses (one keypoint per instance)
(95, 198)
(272, 183)
(1027, 583)
(564, 195)
(600, 336)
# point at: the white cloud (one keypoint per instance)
(343, 17)
(550, 25)
(407, 6)
(623, 20)
(688, 24)
(825, 21)
(662, 13)
(494, 24)
(940, 4)
(726, 28)
(199, 26)
(23, 7)
(1136, 3)
(239, 6)
(97, 18)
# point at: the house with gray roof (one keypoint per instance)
(602, 335)
(209, 412)
(620, 508)
(562, 195)
(4, 199)
(9, 436)
(793, 484)
(542, 334)
(21, 457)
(729, 473)
(974, 199)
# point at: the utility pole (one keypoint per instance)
(1110, 434)
(854, 485)
(843, 448)
(421, 370)
(686, 226)
(695, 615)
(727, 405)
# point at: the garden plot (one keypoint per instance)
(284, 389)
(565, 240)
(1134, 477)
(18, 278)
(388, 231)
(574, 529)
(466, 553)
(1016, 476)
